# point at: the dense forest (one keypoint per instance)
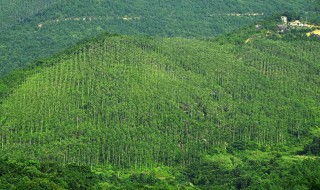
(103, 94)
(38, 28)
(270, 172)
(100, 96)
(236, 112)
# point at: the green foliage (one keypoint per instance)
(312, 148)
(139, 102)
(222, 112)
(64, 22)
(274, 173)
(35, 176)
(80, 177)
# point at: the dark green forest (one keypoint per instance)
(159, 95)
(64, 22)
(274, 172)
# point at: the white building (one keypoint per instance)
(284, 19)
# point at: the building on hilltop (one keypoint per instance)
(284, 19)
(297, 23)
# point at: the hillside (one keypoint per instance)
(240, 111)
(137, 101)
(39, 28)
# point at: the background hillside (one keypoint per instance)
(62, 23)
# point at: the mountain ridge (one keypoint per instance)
(185, 19)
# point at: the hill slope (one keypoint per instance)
(136, 101)
(62, 23)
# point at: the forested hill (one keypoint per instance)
(37, 28)
(139, 102)
(240, 111)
